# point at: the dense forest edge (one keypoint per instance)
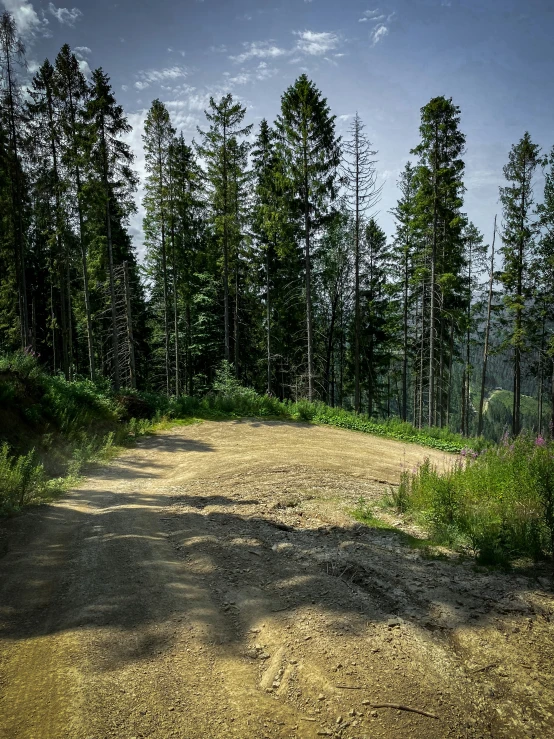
(268, 288)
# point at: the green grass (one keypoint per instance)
(365, 514)
(498, 504)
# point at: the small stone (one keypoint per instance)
(263, 655)
(366, 703)
(374, 714)
(351, 712)
(321, 697)
(171, 708)
(392, 622)
(339, 719)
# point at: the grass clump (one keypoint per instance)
(498, 503)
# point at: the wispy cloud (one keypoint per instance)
(157, 76)
(66, 16)
(308, 43)
(378, 33)
(82, 51)
(380, 21)
(316, 43)
(259, 50)
(373, 16)
(28, 23)
(262, 72)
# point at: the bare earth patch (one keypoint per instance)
(212, 583)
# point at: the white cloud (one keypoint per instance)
(153, 76)
(65, 16)
(373, 16)
(26, 18)
(84, 67)
(259, 50)
(378, 33)
(82, 51)
(261, 72)
(315, 43)
(124, 88)
(222, 49)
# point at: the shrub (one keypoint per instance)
(22, 480)
(499, 503)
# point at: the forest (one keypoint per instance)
(264, 255)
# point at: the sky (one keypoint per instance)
(492, 57)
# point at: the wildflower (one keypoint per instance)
(539, 441)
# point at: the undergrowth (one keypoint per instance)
(498, 504)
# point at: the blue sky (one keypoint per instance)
(493, 57)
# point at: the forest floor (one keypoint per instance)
(211, 582)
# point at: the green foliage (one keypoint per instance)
(22, 480)
(499, 503)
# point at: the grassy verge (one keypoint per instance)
(498, 504)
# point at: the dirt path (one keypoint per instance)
(211, 583)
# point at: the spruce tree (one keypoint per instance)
(225, 131)
(439, 199)
(405, 247)
(111, 182)
(311, 153)
(158, 222)
(519, 230)
(12, 56)
(71, 91)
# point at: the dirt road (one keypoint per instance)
(212, 583)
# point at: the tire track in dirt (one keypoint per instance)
(211, 583)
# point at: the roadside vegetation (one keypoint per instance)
(496, 502)
(497, 505)
(51, 429)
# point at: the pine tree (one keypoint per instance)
(311, 152)
(362, 194)
(187, 216)
(544, 271)
(111, 182)
(12, 56)
(518, 234)
(70, 89)
(375, 349)
(406, 246)
(50, 187)
(474, 257)
(439, 200)
(225, 119)
(158, 138)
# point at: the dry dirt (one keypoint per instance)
(211, 583)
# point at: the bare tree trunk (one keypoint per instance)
(357, 327)
(450, 360)
(115, 338)
(405, 340)
(129, 316)
(268, 321)
(487, 332)
(308, 277)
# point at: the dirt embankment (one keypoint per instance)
(212, 583)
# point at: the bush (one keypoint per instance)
(499, 503)
(22, 480)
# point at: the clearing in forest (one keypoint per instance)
(212, 582)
